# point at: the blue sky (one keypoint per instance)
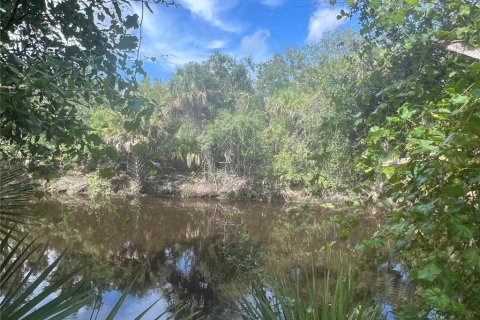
(257, 28)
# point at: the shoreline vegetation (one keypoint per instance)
(224, 128)
(222, 186)
(387, 113)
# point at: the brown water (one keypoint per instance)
(202, 253)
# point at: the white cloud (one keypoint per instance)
(256, 45)
(217, 44)
(177, 36)
(322, 20)
(174, 39)
(272, 3)
(212, 11)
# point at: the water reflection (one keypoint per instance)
(194, 253)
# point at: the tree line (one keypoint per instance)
(323, 118)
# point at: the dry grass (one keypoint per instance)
(221, 185)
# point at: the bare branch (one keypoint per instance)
(464, 49)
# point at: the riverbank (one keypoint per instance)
(219, 186)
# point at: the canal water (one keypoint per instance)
(203, 254)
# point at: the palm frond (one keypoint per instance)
(292, 300)
(26, 295)
(16, 191)
(120, 301)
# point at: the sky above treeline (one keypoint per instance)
(192, 29)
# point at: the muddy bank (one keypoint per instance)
(219, 186)
(72, 184)
(174, 185)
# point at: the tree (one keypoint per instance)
(312, 112)
(57, 57)
(201, 90)
(433, 125)
(234, 139)
(272, 75)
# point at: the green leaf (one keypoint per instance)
(425, 146)
(464, 10)
(131, 21)
(454, 190)
(442, 114)
(127, 42)
(424, 209)
(436, 297)
(459, 99)
(436, 135)
(461, 231)
(388, 172)
(429, 272)
(404, 112)
(471, 258)
(41, 83)
(106, 173)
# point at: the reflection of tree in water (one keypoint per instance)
(185, 284)
(204, 273)
(199, 273)
(196, 253)
(188, 274)
(190, 256)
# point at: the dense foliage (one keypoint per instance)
(72, 97)
(395, 106)
(432, 123)
(58, 58)
(289, 122)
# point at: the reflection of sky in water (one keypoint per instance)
(186, 261)
(131, 307)
(401, 270)
(51, 256)
(387, 311)
(167, 239)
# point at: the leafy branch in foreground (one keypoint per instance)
(434, 128)
(58, 58)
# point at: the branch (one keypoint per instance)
(396, 162)
(14, 12)
(9, 88)
(462, 48)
